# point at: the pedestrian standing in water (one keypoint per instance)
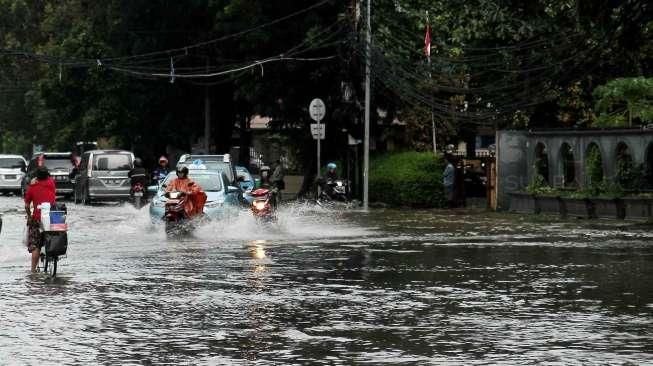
(277, 178)
(449, 180)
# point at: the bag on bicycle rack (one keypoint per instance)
(55, 243)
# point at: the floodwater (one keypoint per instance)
(324, 287)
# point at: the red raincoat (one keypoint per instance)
(196, 196)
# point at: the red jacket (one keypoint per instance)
(38, 192)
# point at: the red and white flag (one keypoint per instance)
(427, 41)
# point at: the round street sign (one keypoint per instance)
(317, 109)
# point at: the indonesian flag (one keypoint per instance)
(427, 41)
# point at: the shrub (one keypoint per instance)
(539, 187)
(407, 179)
(594, 166)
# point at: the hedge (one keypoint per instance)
(407, 179)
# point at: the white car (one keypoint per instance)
(12, 171)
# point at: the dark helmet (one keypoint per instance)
(138, 163)
(42, 173)
(183, 170)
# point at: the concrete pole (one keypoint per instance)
(207, 116)
(317, 174)
(366, 153)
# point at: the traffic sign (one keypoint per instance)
(315, 129)
(317, 109)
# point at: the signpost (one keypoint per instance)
(315, 131)
(317, 109)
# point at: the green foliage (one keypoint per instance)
(628, 175)
(594, 165)
(57, 104)
(407, 179)
(526, 64)
(602, 189)
(539, 187)
(11, 143)
(622, 100)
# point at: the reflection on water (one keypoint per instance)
(333, 288)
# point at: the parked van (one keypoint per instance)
(12, 171)
(103, 176)
(59, 164)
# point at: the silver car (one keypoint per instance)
(103, 176)
(12, 171)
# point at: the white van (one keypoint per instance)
(12, 171)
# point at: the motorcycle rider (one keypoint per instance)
(267, 183)
(196, 196)
(326, 183)
(159, 174)
(331, 174)
(138, 174)
(41, 191)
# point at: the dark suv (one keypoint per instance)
(59, 164)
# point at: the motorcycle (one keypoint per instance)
(138, 195)
(335, 191)
(175, 217)
(261, 205)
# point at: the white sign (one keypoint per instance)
(317, 109)
(314, 130)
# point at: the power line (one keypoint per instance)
(223, 38)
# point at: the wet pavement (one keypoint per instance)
(324, 287)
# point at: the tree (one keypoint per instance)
(623, 99)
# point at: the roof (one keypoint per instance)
(213, 158)
(108, 151)
(11, 156)
(45, 153)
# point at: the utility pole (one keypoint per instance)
(207, 116)
(366, 148)
(428, 54)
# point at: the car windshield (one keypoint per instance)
(246, 176)
(57, 163)
(112, 162)
(208, 182)
(9, 163)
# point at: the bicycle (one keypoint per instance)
(54, 241)
(49, 264)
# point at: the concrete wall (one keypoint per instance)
(638, 142)
(516, 155)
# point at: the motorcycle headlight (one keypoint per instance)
(259, 205)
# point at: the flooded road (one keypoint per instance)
(386, 287)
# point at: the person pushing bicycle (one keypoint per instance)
(40, 191)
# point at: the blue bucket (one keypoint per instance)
(57, 217)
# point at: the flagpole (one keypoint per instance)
(428, 53)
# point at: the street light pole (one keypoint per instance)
(366, 153)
